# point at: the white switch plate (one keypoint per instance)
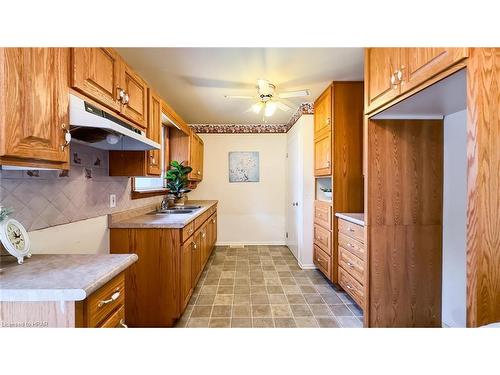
(112, 200)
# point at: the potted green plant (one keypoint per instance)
(177, 180)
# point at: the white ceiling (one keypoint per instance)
(194, 81)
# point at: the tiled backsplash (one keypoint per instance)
(42, 199)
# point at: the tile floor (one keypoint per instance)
(262, 286)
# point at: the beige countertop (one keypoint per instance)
(61, 277)
(356, 218)
(151, 220)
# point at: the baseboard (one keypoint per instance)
(267, 243)
(307, 266)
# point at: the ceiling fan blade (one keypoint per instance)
(239, 97)
(283, 106)
(294, 94)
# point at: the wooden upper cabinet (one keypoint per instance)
(196, 157)
(323, 155)
(323, 112)
(136, 104)
(154, 133)
(34, 106)
(392, 72)
(421, 64)
(101, 74)
(96, 73)
(380, 66)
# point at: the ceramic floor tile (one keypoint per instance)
(285, 323)
(262, 286)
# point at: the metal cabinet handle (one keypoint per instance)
(203, 235)
(113, 298)
(194, 246)
(328, 163)
(328, 121)
(350, 264)
(199, 172)
(126, 99)
(348, 286)
(350, 229)
(121, 94)
(350, 245)
(122, 323)
(67, 137)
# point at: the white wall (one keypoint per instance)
(89, 236)
(454, 220)
(250, 212)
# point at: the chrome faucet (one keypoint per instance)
(167, 202)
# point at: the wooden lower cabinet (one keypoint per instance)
(105, 308)
(159, 285)
(186, 284)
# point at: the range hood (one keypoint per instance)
(100, 129)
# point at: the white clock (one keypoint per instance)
(15, 239)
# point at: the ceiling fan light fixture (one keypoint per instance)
(270, 109)
(257, 107)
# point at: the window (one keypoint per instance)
(143, 187)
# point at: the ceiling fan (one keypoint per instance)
(268, 98)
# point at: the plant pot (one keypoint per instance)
(181, 201)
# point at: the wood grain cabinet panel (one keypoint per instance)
(322, 261)
(323, 155)
(96, 73)
(196, 261)
(323, 214)
(186, 283)
(420, 64)
(136, 88)
(323, 239)
(196, 157)
(323, 113)
(34, 106)
(380, 66)
(352, 264)
(115, 320)
(154, 133)
(352, 286)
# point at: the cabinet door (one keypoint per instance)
(420, 64)
(323, 112)
(205, 244)
(34, 105)
(214, 231)
(196, 156)
(135, 109)
(323, 155)
(195, 258)
(380, 65)
(186, 284)
(96, 73)
(154, 133)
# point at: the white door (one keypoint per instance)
(292, 201)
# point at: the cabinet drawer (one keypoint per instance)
(103, 301)
(187, 231)
(352, 230)
(352, 287)
(201, 219)
(323, 214)
(323, 239)
(115, 320)
(352, 264)
(350, 244)
(323, 261)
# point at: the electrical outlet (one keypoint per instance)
(112, 200)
